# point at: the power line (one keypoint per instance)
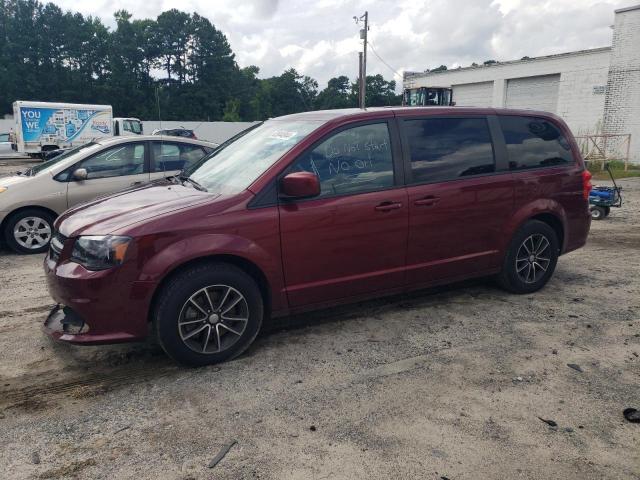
(382, 60)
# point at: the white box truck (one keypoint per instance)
(44, 126)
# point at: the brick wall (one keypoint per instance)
(622, 103)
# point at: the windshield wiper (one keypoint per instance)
(196, 185)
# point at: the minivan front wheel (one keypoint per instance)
(208, 314)
(531, 258)
(29, 231)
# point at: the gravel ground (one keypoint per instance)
(447, 383)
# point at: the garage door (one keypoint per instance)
(538, 93)
(473, 94)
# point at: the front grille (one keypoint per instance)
(56, 246)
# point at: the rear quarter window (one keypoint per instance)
(444, 149)
(534, 142)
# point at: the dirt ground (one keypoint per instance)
(449, 383)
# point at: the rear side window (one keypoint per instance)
(534, 142)
(352, 161)
(173, 156)
(449, 148)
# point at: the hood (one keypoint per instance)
(18, 186)
(14, 180)
(114, 212)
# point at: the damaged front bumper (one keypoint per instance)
(65, 324)
(96, 307)
(63, 321)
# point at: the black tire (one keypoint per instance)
(607, 211)
(597, 213)
(173, 305)
(14, 243)
(513, 280)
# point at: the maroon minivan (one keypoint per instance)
(316, 209)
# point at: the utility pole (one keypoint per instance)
(360, 82)
(363, 67)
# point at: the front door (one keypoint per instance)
(352, 238)
(116, 168)
(459, 198)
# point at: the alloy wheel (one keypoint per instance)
(32, 233)
(532, 259)
(213, 319)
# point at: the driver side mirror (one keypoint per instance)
(300, 185)
(80, 174)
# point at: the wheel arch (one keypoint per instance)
(3, 224)
(555, 223)
(247, 266)
(547, 211)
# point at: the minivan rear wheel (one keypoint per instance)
(531, 258)
(29, 231)
(208, 314)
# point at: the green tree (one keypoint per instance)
(172, 33)
(336, 95)
(178, 59)
(379, 92)
(231, 111)
(287, 93)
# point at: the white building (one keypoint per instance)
(595, 91)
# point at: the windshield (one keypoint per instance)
(236, 166)
(49, 163)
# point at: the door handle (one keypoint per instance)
(388, 206)
(427, 201)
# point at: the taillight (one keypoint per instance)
(586, 184)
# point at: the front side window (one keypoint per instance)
(351, 161)
(4, 137)
(444, 149)
(121, 160)
(63, 156)
(136, 127)
(534, 142)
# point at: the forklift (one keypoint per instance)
(428, 97)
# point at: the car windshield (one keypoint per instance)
(234, 167)
(50, 163)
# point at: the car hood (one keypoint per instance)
(14, 180)
(114, 212)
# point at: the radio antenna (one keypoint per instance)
(158, 105)
(164, 170)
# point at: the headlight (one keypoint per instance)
(3, 189)
(100, 252)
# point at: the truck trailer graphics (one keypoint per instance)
(43, 126)
(53, 126)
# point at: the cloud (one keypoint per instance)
(320, 39)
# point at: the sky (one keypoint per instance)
(321, 39)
